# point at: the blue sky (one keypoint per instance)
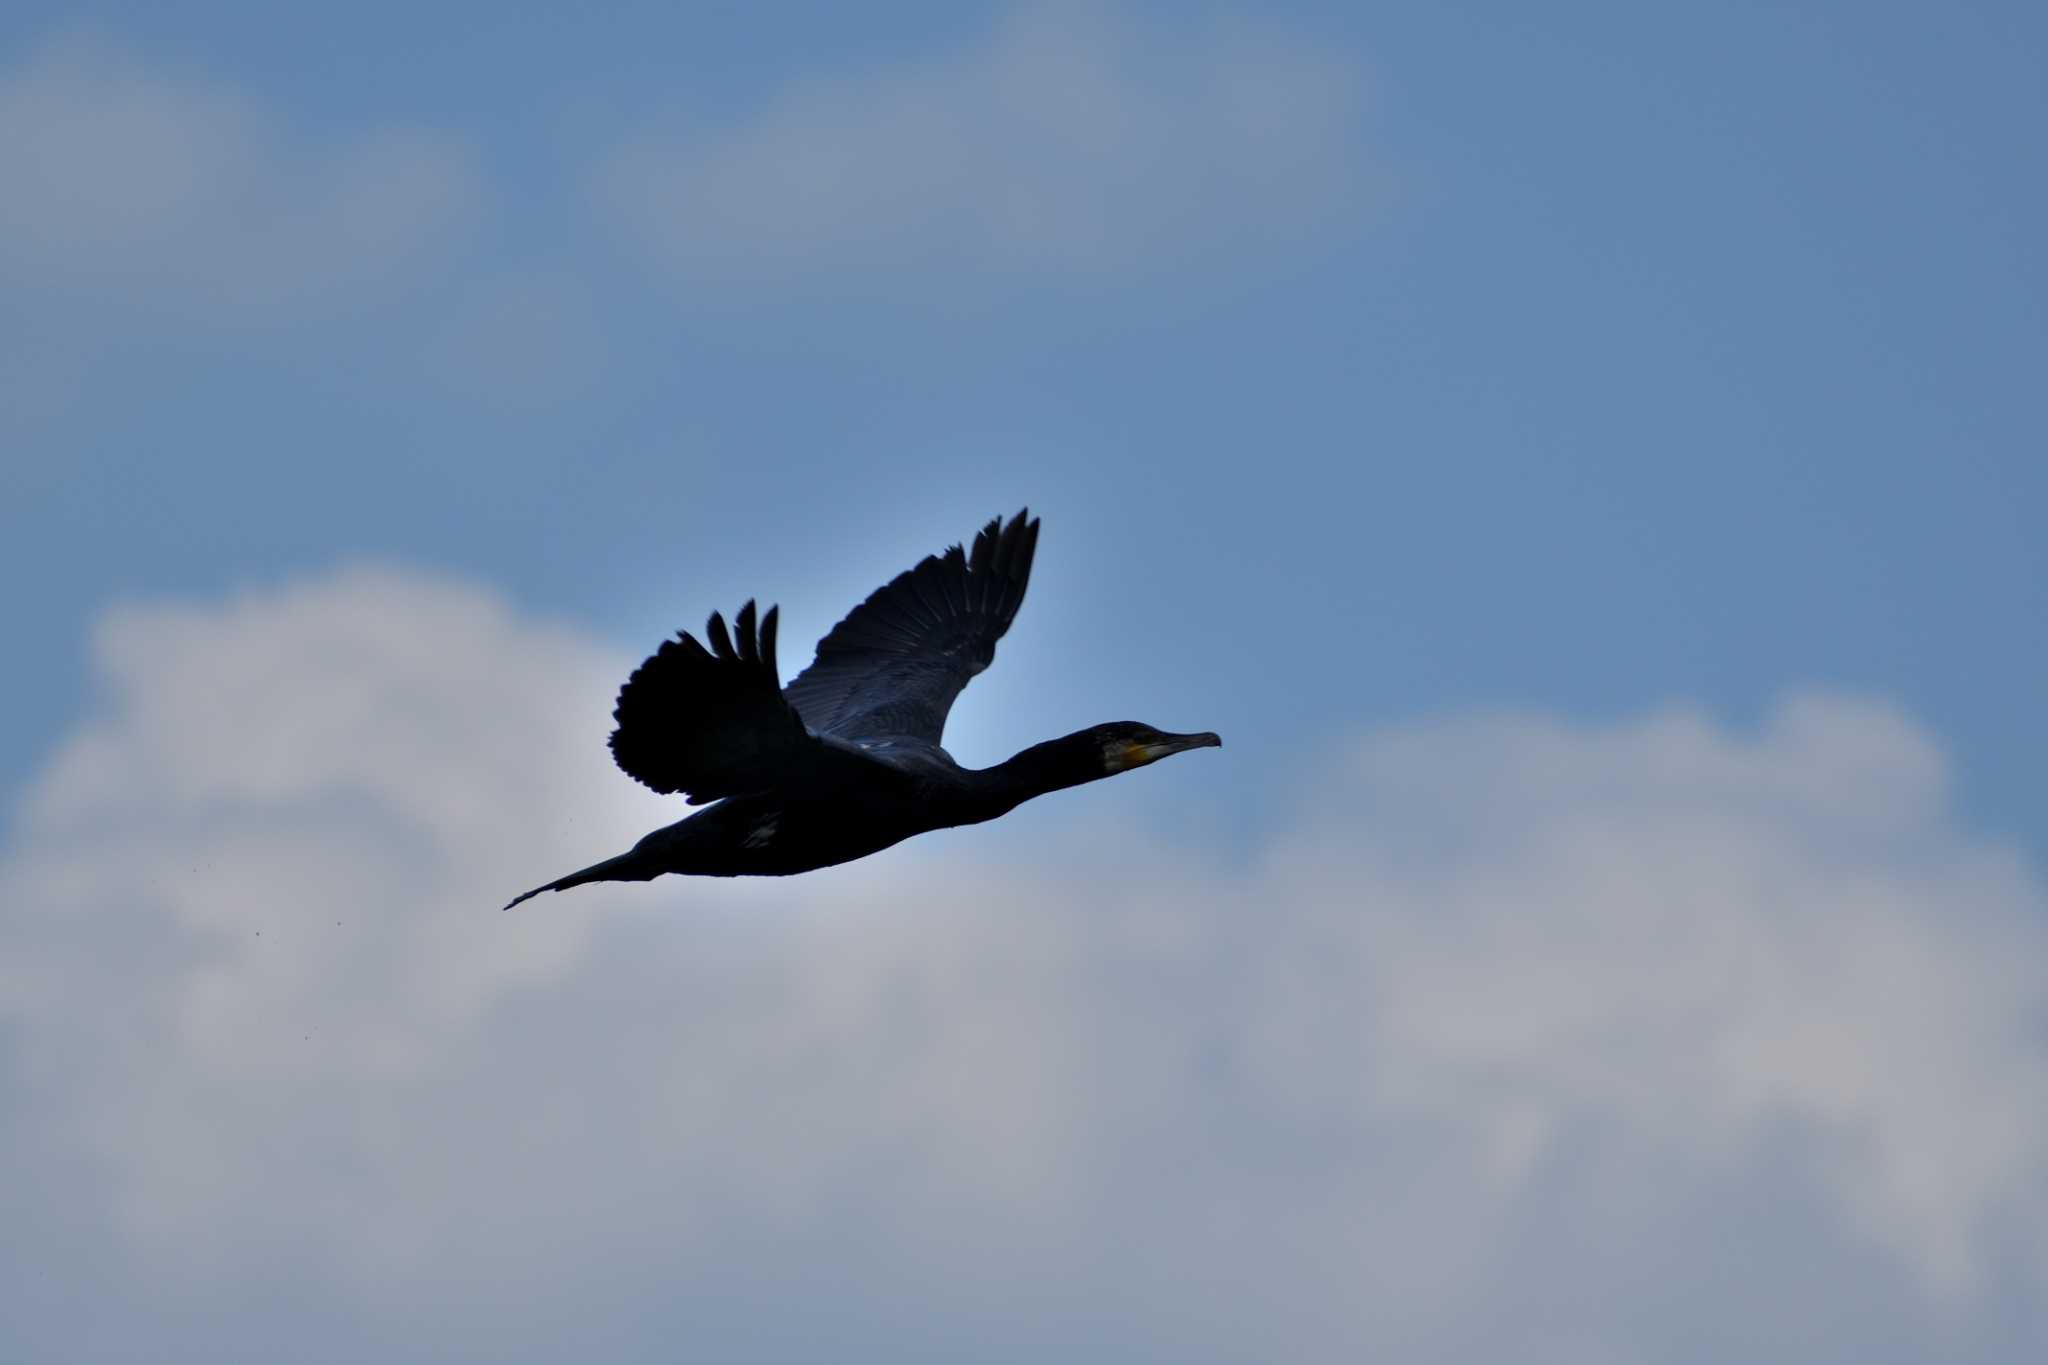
(1611, 400)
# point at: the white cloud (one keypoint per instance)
(161, 190)
(1693, 937)
(1646, 1041)
(1070, 140)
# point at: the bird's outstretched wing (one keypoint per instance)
(895, 664)
(713, 722)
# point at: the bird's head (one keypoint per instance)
(1127, 744)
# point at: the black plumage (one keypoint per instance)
(895, 664)
(847, 759)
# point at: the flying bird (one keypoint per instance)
(846, 760)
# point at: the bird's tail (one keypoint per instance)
(627, 867)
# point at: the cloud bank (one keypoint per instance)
(1070, 141)
(1647, 1041)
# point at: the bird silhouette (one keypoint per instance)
(846, 760)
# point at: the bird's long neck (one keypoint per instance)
(1049, 767)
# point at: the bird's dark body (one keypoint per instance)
(773, 835)
(846, 760)
(767, 836)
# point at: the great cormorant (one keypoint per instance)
(845, 761)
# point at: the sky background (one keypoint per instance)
(1588, 465)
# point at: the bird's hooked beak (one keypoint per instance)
(1151, 751)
